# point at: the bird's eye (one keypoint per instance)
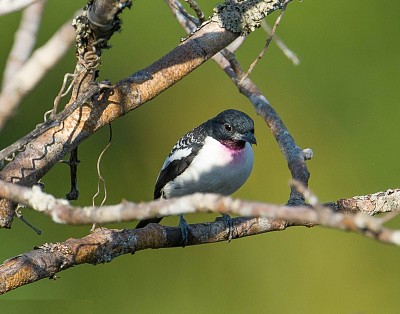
(228, 127)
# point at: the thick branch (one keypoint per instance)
(372, 204)
(103, 14)
(103, 245)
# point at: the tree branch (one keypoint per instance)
(62, 212)
(8, 6)
(103, 244)
(33, 70)
(24, 39)
(372, 204)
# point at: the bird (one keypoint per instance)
(215, 157)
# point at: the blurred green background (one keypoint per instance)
(340, 101)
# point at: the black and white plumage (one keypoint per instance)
(215, 157)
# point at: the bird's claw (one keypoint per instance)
(183, 225)
(230, 228)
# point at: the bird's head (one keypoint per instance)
(233, 128)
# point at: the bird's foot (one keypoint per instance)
(230, 228)
(183, 225)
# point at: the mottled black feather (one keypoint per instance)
(194, 139)
(169, 173)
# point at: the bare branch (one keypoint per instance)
(103, 245)
(281, 45)
(196, 8)
(33, 70)
(62, 212)
(380, 202)
(25, 39)
(268, 41)
(294, 155)
(8, 6)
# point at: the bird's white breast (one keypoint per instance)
(216, 169)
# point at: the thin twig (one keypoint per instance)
(268, 41)
(176, 6)
(199, 12)
(19, 215)
(291, 55)
(33, 70)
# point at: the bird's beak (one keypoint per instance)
(248, 137)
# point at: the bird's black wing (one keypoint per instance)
(171, 171)
(179, 159)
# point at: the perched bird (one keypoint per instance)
(215, 157)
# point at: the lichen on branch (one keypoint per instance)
(243, 17)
